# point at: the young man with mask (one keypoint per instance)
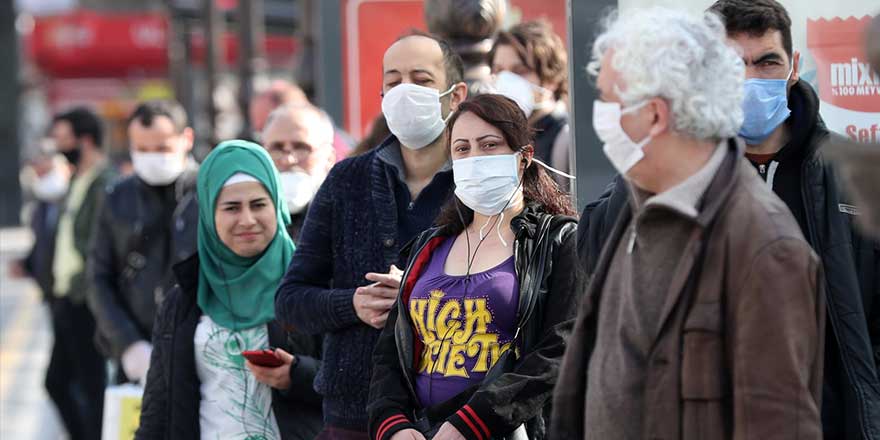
(51, 174)
(147, 224)
(80, 381)
(343, 278)
(705, 316)
(51, 179)
(299, 137)
(530, 64)
(783, 132)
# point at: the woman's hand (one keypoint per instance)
(276, 377)
(408, 434)
(448, 432)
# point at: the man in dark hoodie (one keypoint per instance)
(783, 132)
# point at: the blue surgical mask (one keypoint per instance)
(765, 106)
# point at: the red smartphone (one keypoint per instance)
(263, 358)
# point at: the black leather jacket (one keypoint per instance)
(170, 408)
(140, 233)
(514, 391)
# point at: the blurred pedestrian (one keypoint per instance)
(279, 92)
(343, 279)
(783, 132)
(705, 314)
(300, 140)
(490, 295)
(282, 92)
(77, 371)
(147, 223)
(50, 181)
(530, 64)
(199, 385)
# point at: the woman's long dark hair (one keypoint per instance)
(538, 188)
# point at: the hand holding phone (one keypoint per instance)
(263, 358)
(270, 366)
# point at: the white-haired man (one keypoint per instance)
(299, 137)
(704, 316)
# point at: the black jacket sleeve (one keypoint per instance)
(155, 406)
(302, 378)
(115, 324)
(596, 222)
(305, 299)
(390, 403)
(500, 406)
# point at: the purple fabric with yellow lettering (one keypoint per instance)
(465, 323)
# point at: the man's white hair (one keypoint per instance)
(680, 57)
(296, 111)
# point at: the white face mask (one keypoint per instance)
(51, 187)
(487, 184)
(619, 148)
(158, 169)
(298, 188)
(414, 115)
(519, 89)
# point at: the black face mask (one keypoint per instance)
(73, 156)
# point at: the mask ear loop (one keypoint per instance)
(549, 168)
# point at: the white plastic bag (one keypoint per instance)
(122, 411)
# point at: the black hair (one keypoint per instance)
(755, 18)
(84, 122)
(452, 63)
(145, 112)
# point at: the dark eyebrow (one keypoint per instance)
(391, 71)
(770, 56)
(238, 202)
(427, 72)
(486, 136)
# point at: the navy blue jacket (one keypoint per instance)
(352, 228)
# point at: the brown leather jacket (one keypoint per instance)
(739, 354)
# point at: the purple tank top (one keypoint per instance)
(465, 325)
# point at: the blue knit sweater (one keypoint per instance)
(352, 228)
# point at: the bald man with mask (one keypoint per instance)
(299, 137)
(343, 278)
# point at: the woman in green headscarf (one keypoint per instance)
(199, 385)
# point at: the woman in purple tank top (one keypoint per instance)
(473, 347)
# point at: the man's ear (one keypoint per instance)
(458, 95)
(660, 124)
(795, 68)
(331, 157)
(188, 138)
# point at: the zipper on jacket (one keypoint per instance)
(771, 174)
(632, 240)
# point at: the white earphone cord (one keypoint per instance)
(554, 170)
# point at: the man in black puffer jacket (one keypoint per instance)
(789, 158)
(147, 224)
